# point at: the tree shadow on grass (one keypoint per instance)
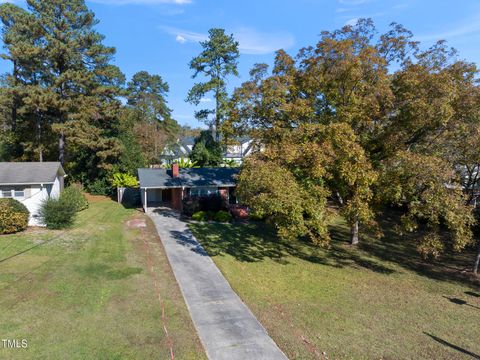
(453, 346)
(401, 250)
(254, 242)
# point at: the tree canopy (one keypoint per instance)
(217, 61)
(206, 151)
(340, 124)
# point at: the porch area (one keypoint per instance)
(162, 197)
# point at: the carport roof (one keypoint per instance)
(191, 177)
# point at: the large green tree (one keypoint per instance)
(151, 118)
(290, 182)
(206, 151)
(63, 85)
(146, 94)
(390, 123)
(217, 61)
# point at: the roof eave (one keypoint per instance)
(31, 183)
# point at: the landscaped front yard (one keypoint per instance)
(376, 302)
(95, 291)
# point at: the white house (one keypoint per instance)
(31, 183)
(181, 150)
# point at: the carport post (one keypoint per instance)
(146, 201)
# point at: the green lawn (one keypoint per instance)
(376, 302)
(89, 293)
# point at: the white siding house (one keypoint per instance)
(31, 183)
(181, 150)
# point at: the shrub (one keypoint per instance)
(57, 213)
(13, 216)
(124, 180)
(191, 205)
(255, 217)
(222, 216)
(212, 203)
(210, 215)
(200, 216)
(73, 195)
(99, 187)
(239, 211)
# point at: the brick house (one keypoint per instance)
(170, 186)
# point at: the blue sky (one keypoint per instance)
(161, 36)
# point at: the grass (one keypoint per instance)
(89, 292)
(378, 301)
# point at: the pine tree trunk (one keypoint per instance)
(354, 232)
(39, 135)
(15, 101)
(61, 148)
(217, 115)
(477, 262)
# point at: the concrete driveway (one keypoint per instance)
(225, 325)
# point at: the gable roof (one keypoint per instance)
(190, 177)
(25, 173)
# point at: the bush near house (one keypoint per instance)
(212, 203)
(57, 213)
(191, 205)
(99, 187)
(239, 211)
(200, 216)
(222, 216)
(124, 180)
(73, 194)
(13, 216)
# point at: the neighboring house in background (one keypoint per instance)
(171, 186)
(31, 183)
(183, 147)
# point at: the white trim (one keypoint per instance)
(33, 183)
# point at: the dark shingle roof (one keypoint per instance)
(29, 172)
(193, 177)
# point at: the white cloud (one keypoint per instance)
(351, 22)
(205, 100)
(180, 39)
(250, 40)
(141, 2)
(468, 27)
(183, 36)
(256, 43)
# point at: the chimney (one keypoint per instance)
(175, 170)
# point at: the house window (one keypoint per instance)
(7, 192)
(12, 193)
(203, 191)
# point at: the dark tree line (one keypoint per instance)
(62, 98)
